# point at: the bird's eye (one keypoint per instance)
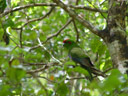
(69, 42)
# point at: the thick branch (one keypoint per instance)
(78, 18)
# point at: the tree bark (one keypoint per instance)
(115, 36)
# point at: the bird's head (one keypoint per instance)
(67, 43)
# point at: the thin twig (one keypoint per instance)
(74, 78)
(21, 30)
(36, 19)
(75, 27)
(32, 64)
(46, 66)
(37, 70)
(47, 79)
(77, 32)
(49, 52)
(97, 9)
(34, 47)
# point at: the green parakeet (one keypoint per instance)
(78, 55)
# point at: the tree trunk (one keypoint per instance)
(115, 36)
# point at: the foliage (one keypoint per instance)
(34, 63)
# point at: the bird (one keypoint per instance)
(77, 54)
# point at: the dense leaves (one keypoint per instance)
(34, 62)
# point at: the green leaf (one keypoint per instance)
(113, 81)
(70, 63)
(8, 23)
(15, 62)
(95, 43)
(32, 35)
(47, 55)
(101, 49)
(43, 37)
(79, 70)
(4, 90)
(62, 89)
(123, 94)
(1, 33)
(15, 74)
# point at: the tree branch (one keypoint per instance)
(21, 30)
(33, 64)
(53, 35)
(50, 4)
(27, 6)
(36, 19)
(87, 8)
(75, 27)
(97, 9)
(40, 43)
(57, 33)
(74, 78)
(34, 47)
(45, 66)
(78, 18)
(47, 79)
(37, 70)
(77, 32)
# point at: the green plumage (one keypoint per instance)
(77, 52)
(78, 55)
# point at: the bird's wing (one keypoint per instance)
(79, 56)
(77, 52)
